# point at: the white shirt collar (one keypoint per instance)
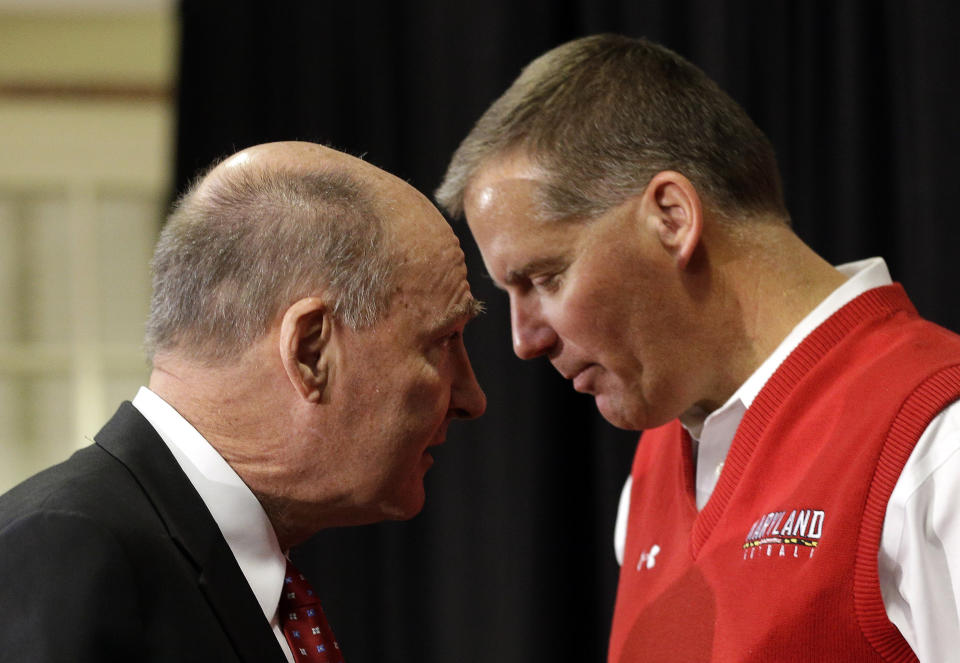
(715, 433)
(235, 509)
(861, 276)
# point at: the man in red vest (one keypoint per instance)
(791, 498)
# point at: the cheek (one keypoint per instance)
(423, 400)
(592, 318)
(410, 407)
(639, 310)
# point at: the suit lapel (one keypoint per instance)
(238, 611)
(130, 438)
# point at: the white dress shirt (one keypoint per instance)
(919, 558)
(235, 509)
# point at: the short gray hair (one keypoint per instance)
(603, 114)
(236, 251)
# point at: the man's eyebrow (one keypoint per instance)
(468, 309)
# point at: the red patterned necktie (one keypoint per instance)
(304, 623)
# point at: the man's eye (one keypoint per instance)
(547, 282)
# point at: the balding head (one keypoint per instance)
(267, 226)
(295, 157)
(307, 320)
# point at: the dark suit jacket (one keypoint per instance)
(113, 556)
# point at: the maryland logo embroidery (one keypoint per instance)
(785, 533)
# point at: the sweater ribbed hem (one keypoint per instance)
(914, 416)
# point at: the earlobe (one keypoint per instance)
(675, 210)
(304, 339)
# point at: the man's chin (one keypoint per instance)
(404, 507)
(613, 411)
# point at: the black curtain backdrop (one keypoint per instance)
(511, 560)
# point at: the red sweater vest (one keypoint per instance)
(781, 564)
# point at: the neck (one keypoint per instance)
(237, 409)
(771, 280)
(224, 403)
(258, 424)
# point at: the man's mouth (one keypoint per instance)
(583, 379)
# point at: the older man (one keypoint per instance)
(791, 498)
(306, 340)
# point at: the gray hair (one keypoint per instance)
(601, 115)
(235, 252)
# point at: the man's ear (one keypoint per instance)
(304, 346)
(673, 210)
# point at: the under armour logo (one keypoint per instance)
(648, 558)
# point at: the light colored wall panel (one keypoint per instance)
(47, 312)
(122, 144)
(11, 250)
(126, 224)
(86, 145)
(14, 463)
(123, 388)
(93, 46)
(48, 409)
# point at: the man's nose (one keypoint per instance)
(467, 398)
(532, 336)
